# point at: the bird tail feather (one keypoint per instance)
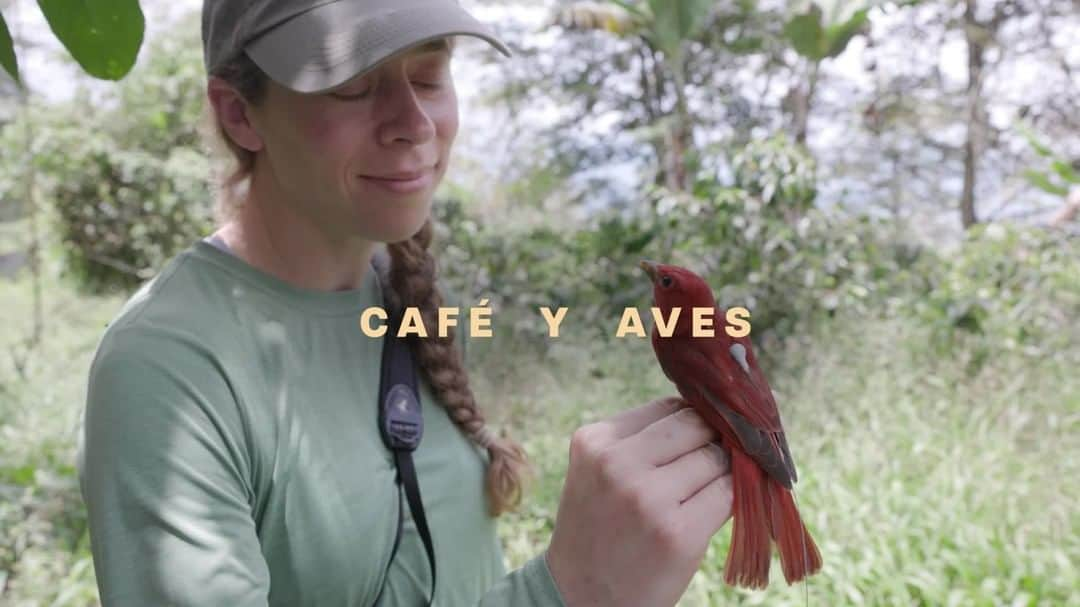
(764, 511)
(799, 555)
(748, 558)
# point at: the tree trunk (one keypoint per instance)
(1069, 212)
(35, 232)
(680, 135)
(803, 102)
(975, 35)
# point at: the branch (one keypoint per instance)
(1069, 212)
(120, 266)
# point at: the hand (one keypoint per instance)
(644, 493)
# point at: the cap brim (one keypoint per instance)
(329, 45)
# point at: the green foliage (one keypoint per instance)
(775, 171)
(758, 241)
(763, 245)
(923, 485)
(1006, 289)
(918, 479)
(678, 20)
(8, 60)
(1044, 183)
(44, 545)
(128, 183)
(919, 466)
(1059, 176)
(816, 40)
(103, 36)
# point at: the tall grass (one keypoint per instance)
(922, 485)
(44, 550)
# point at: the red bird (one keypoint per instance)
(719, 376)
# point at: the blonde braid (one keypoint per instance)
(411, 281)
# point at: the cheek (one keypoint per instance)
(327, 135)
(445, 117)
(321, 130)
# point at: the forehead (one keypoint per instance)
(427, 49)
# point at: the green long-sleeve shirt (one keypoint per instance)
(230, 456)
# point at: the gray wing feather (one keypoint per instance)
(756, 443)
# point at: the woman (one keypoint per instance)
(230, 454)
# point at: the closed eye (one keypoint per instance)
(427, 86)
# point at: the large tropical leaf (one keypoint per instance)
(840, 34)
(813, 39)
(806, 34)
(678, 20)
(7, 51)
(103, 36)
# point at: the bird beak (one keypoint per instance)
(650, 268)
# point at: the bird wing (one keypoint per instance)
(709, 374)
(745, 389)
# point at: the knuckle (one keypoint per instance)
(636, 499)
(608, 468)
(668, 536)
(584, 443)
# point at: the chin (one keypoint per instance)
(399, 224)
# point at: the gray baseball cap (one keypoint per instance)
(311, 46)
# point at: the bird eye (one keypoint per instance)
(666, 281)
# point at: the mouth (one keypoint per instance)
(401, 175)
(650, 268)
(402, 183)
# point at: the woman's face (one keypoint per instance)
(364, 159)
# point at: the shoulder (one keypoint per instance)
(159, 395)
(186, 293)
(162, 347)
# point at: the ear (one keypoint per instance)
(234, 112)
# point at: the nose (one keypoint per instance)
(404, 119)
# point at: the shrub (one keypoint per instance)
(127, 179)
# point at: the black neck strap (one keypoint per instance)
(401, 425)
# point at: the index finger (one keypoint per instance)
(630, 422)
